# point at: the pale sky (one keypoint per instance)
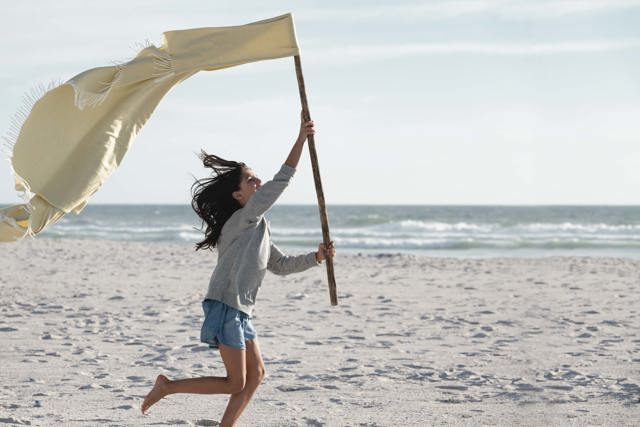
(416, 102)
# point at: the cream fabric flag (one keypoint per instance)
(77, 134)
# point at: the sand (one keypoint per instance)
(85, 326)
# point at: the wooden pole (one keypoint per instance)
(324, 221)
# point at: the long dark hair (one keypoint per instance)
(212, 197)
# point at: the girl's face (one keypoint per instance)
(248, 186)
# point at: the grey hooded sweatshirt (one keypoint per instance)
(245, 251)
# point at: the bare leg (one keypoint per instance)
(255, 374)
(235, 363)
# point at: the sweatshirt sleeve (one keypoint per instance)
(282, 264)
(267, 194)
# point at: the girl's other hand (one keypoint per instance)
(325, 252)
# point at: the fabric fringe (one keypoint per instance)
(9, 140)
(162, 65)
(20, 116)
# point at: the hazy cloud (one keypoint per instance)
(517, 9)
(360, 53)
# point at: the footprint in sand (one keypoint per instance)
(284, 362)
(17, 421)
(610, 323)
(611, 341)
(452, 387)
(313, 422)
(11, 406)
(559, 387)
(91, 386)
(505, 322)
(124, 407)
(355, 337)
(527, 387)
(480, 335)
(49, 336)
(330, 386)
(286, 388)
(206, 422)
(151, 313)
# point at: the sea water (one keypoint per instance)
(458, 231)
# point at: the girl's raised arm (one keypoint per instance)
(268, 193)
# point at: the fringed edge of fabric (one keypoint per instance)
(162, 65)
(29, 99)
(162, 61)
(9, 140)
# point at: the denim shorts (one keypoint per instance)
(226, 325)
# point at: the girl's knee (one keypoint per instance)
(261, 373)
(256, 376)
(236, 384)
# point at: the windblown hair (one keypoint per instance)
(212, 197)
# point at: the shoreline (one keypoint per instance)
(440, 254)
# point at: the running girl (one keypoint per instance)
(232, 203)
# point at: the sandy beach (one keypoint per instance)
(85, 327)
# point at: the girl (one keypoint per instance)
(232, 203)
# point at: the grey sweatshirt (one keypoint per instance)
(245, 250)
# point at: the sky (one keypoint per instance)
(504, 102)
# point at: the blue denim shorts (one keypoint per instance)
(226, 325)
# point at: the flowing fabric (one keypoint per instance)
(77, 134)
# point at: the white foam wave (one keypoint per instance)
(588, 227)
(443, 226)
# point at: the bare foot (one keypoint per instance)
(158, 391)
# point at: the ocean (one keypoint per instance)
(452, 231)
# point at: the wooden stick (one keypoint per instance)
(316, 178)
